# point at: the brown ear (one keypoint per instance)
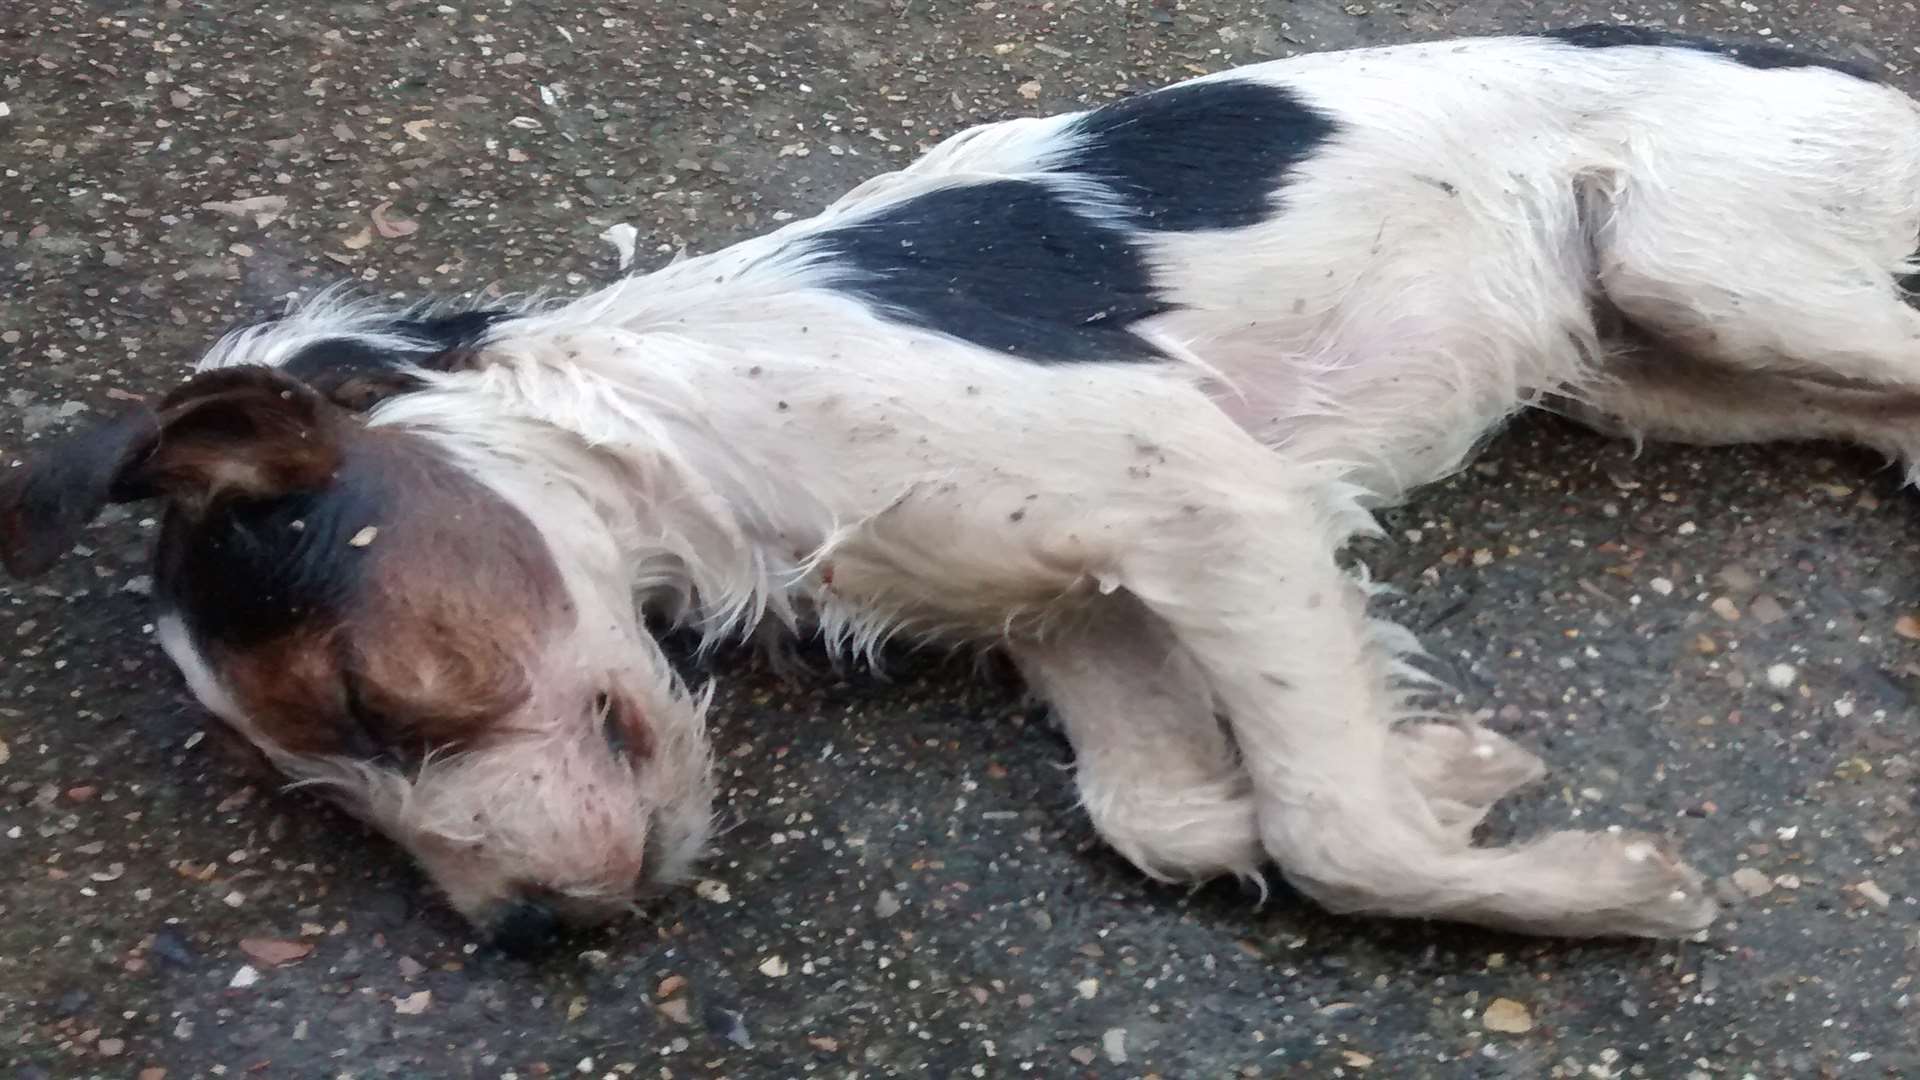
(243, 430)
(45, 502)
(247, 431)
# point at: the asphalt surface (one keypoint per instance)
(1707, 643)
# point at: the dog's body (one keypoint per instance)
(1108, 389)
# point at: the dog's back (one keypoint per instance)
(1382, 252)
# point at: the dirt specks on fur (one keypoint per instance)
(909, 850)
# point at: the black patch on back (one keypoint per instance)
(252, 569)
(356, 375)
(1206, 156)
(1753, 55)
(1010, 265)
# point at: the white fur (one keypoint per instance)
(1156, 543)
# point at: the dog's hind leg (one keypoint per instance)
(1243, 571)
(1783, 253)
(1677, 399)
(1155, 769)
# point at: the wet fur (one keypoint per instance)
(1111, 391)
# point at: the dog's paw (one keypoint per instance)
(1462, 769)
(1631, 884)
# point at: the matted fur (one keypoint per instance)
(741, 437)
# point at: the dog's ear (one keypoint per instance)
(47, 501)
(245, 431)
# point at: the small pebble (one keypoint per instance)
(622, 238)
(1752, 882)
(1508, 1016)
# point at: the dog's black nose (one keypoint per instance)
(528, 929)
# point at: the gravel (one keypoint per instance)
(1719, 644)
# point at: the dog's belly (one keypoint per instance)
(1401, 409)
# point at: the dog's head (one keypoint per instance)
(384, 624)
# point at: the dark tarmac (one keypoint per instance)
(1719, 644)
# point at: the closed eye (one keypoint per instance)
(617, 726)
(370, 735)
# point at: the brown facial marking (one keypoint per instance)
(445, 595)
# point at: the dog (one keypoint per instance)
(1108, 391)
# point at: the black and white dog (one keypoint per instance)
(1108, 389)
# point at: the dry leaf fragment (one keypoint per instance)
(392, 227)
(272, 952)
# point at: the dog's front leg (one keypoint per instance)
(1239, 562)
(1155, 770)
(1144, 489)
